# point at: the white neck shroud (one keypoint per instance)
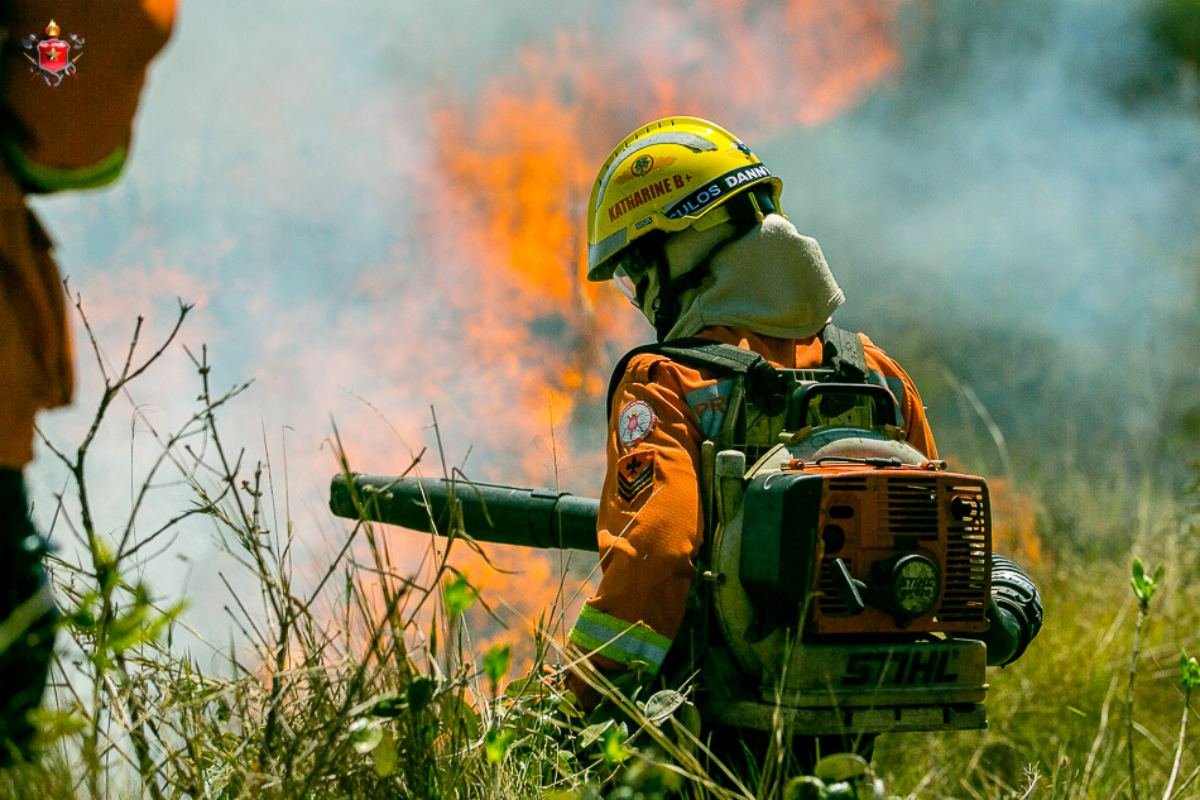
(773, 281)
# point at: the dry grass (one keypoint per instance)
(361, 683)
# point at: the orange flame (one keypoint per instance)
(1014, 523)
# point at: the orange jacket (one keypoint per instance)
(651, 526)
(71, 136)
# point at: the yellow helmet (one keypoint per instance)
(668, 176)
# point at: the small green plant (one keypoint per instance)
(1144, 586)
(459, 595)
(496, 662)
(1189, 679)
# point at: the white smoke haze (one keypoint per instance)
(286, 171)
(1029, 181)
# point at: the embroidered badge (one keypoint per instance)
(635, 474)
(635, 423)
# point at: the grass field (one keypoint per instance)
(364, 682)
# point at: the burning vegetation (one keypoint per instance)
(366, 689)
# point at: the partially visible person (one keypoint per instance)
(54, 136)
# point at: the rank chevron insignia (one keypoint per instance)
(635, 472)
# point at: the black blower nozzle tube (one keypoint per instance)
(503, 514)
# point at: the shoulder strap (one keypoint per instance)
(844, 353)
(727, 359)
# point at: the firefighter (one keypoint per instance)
(61, 129)
(686, 220)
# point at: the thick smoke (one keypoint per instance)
(1019, 206)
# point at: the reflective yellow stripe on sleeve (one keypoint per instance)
(633, 644)
(35, 177)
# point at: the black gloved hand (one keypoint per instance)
(1015, 612)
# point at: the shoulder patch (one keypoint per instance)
(635, 422)
(709, 404)
(635, 474)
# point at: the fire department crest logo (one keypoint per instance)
(51, 57)
(635, 422)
